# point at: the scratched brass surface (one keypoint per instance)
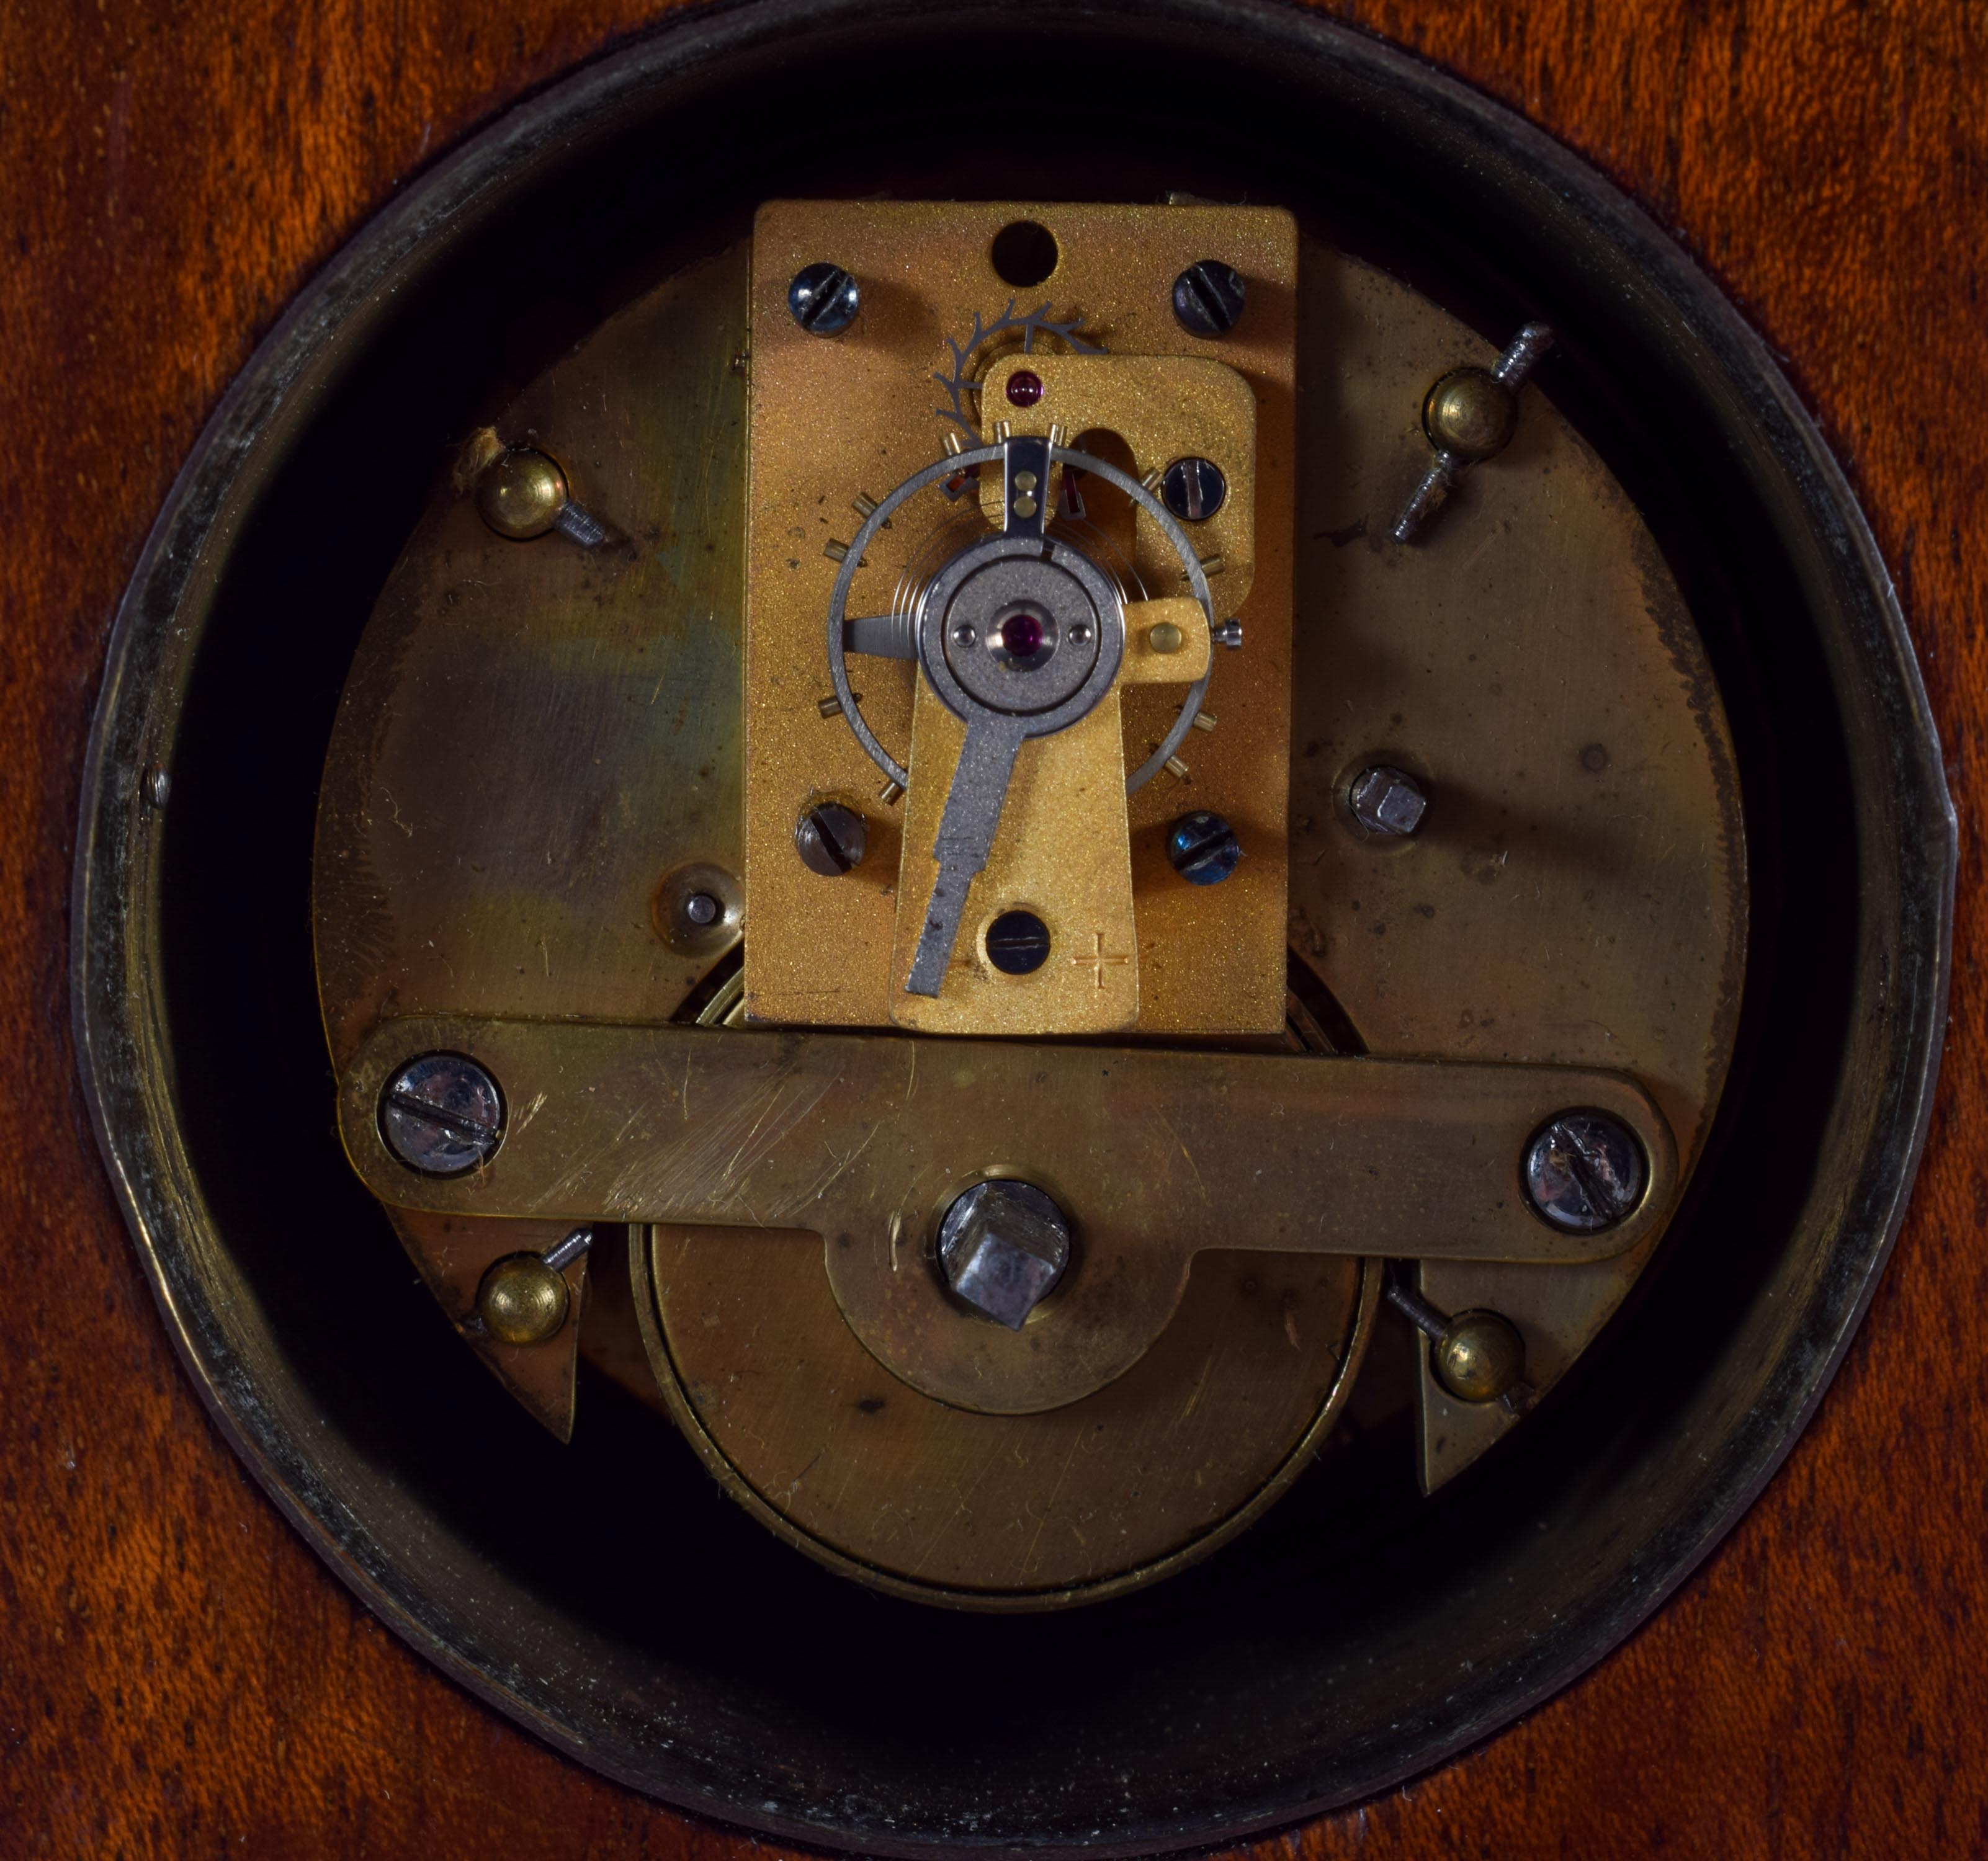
(1155, 1155)
(1156, 1469)
(1577, 891)
(855, 415)
(533, 735)
(1538, 883)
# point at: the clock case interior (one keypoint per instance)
(1329, 1650)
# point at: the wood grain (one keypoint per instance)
(180, 1676)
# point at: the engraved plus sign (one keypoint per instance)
(1097, 962)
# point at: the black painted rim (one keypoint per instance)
(724, 1758)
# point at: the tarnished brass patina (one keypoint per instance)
(539, 740)
(522, 1300)
(1071, 1504)
(1479, 1357)
(1470, 413)
(521, 493)
(1576, 892)
(537, 758)
(553, 885)
(455, 1255)
(1156, 1156)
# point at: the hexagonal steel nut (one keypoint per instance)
(1389, 802)
(1002, 1247)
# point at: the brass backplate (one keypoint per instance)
(854, 415)
(537, 742)
(1577, 895)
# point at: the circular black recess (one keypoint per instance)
(638, 1621)
(1023, 253)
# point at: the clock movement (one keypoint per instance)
(1075, 859)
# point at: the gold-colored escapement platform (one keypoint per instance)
(837, 422)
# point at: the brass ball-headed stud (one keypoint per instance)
(1470, 415)
(522, 1300)
(521, 493)
(1479, 1356)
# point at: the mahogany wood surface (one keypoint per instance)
(179, 1675)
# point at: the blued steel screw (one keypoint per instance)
(1018, 942)
(831, 838)
(442, 1114)
(1584, 1171)
(1208, 297)
(824, 298)
(1386, 801)
(1203, 848)
(1194, 489)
